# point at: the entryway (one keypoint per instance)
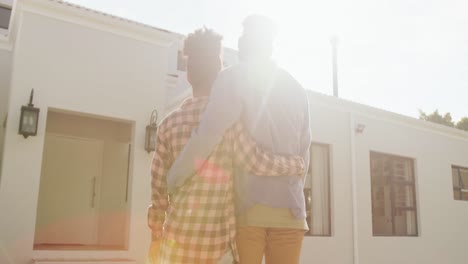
(83, 196)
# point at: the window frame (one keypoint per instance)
(181, 61)
(308, 190)
(462, 187)
(393, 185)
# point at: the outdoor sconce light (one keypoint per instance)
(151, 129)
(360, 128)
(29, 118)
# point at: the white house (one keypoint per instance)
(383, 188)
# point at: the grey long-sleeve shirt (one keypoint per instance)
(274, 108)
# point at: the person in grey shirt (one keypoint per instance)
(274, 108)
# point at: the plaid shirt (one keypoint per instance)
(199, 220)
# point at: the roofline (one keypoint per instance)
(228, 49)
(377, 113)
(99, 20)
(87, 17)
(363, 110)
(111, 16)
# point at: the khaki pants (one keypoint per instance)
(153, 255)
(279, 245)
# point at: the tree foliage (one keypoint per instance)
(435, 117)
(445, 119)
(463, 124)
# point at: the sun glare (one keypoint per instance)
(305, 29)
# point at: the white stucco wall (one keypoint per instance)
(441, 220)
(442, 237)
(86, 69)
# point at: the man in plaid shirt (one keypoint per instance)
(196, 223)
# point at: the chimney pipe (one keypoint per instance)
(334, 44)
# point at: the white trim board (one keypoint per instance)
(97, 20)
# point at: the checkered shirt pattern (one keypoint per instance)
(199, 218)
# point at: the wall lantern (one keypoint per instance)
(360, 128)
(151, 129)
(29, 118)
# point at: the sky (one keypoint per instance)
(397, 55)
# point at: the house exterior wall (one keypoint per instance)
(79, 67)
(434, 149)
(441, 220)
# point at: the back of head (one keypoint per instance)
(257, 38)
(203, 51)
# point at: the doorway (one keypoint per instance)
(83, 195)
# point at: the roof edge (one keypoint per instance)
(90, 18)
(374, 112)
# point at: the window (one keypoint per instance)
(393, 195)
(460, 183)
(5, 13)
(317, 191)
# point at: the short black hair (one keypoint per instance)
(203, 50)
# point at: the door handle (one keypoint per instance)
(93, 194)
